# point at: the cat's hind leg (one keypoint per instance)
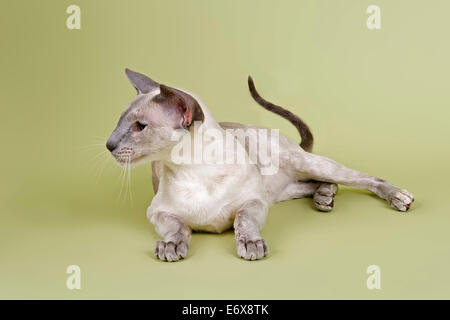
(298, 190)
(320, 168)
(322, 192)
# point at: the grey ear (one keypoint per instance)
(142, 83)
(184, 102)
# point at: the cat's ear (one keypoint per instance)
(189, 107)
(141, 82)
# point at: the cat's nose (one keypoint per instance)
(111, 145)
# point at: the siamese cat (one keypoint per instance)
(214, 195)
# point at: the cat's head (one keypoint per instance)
(146, 128)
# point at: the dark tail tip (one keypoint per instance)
(251, 84)
(303, 129)
(252, 88)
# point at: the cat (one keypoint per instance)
(217, 196)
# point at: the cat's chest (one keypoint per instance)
(207, 199)
(202, 187)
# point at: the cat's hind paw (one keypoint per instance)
(324, 197)
(401, 200)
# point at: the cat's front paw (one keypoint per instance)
(251, 249)
(400, 200)
(170, 251)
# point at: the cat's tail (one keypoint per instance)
(303, 129)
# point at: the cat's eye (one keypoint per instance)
(139, 126)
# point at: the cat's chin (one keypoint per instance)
(134, 161)
(137, 160)
(141, 159)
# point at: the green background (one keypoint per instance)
(377, 101)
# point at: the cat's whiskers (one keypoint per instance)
(101, 166)
(97, 143)
(99, 161)
(92, 146)
(98, 156)
(129, 179)
(122, 178)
